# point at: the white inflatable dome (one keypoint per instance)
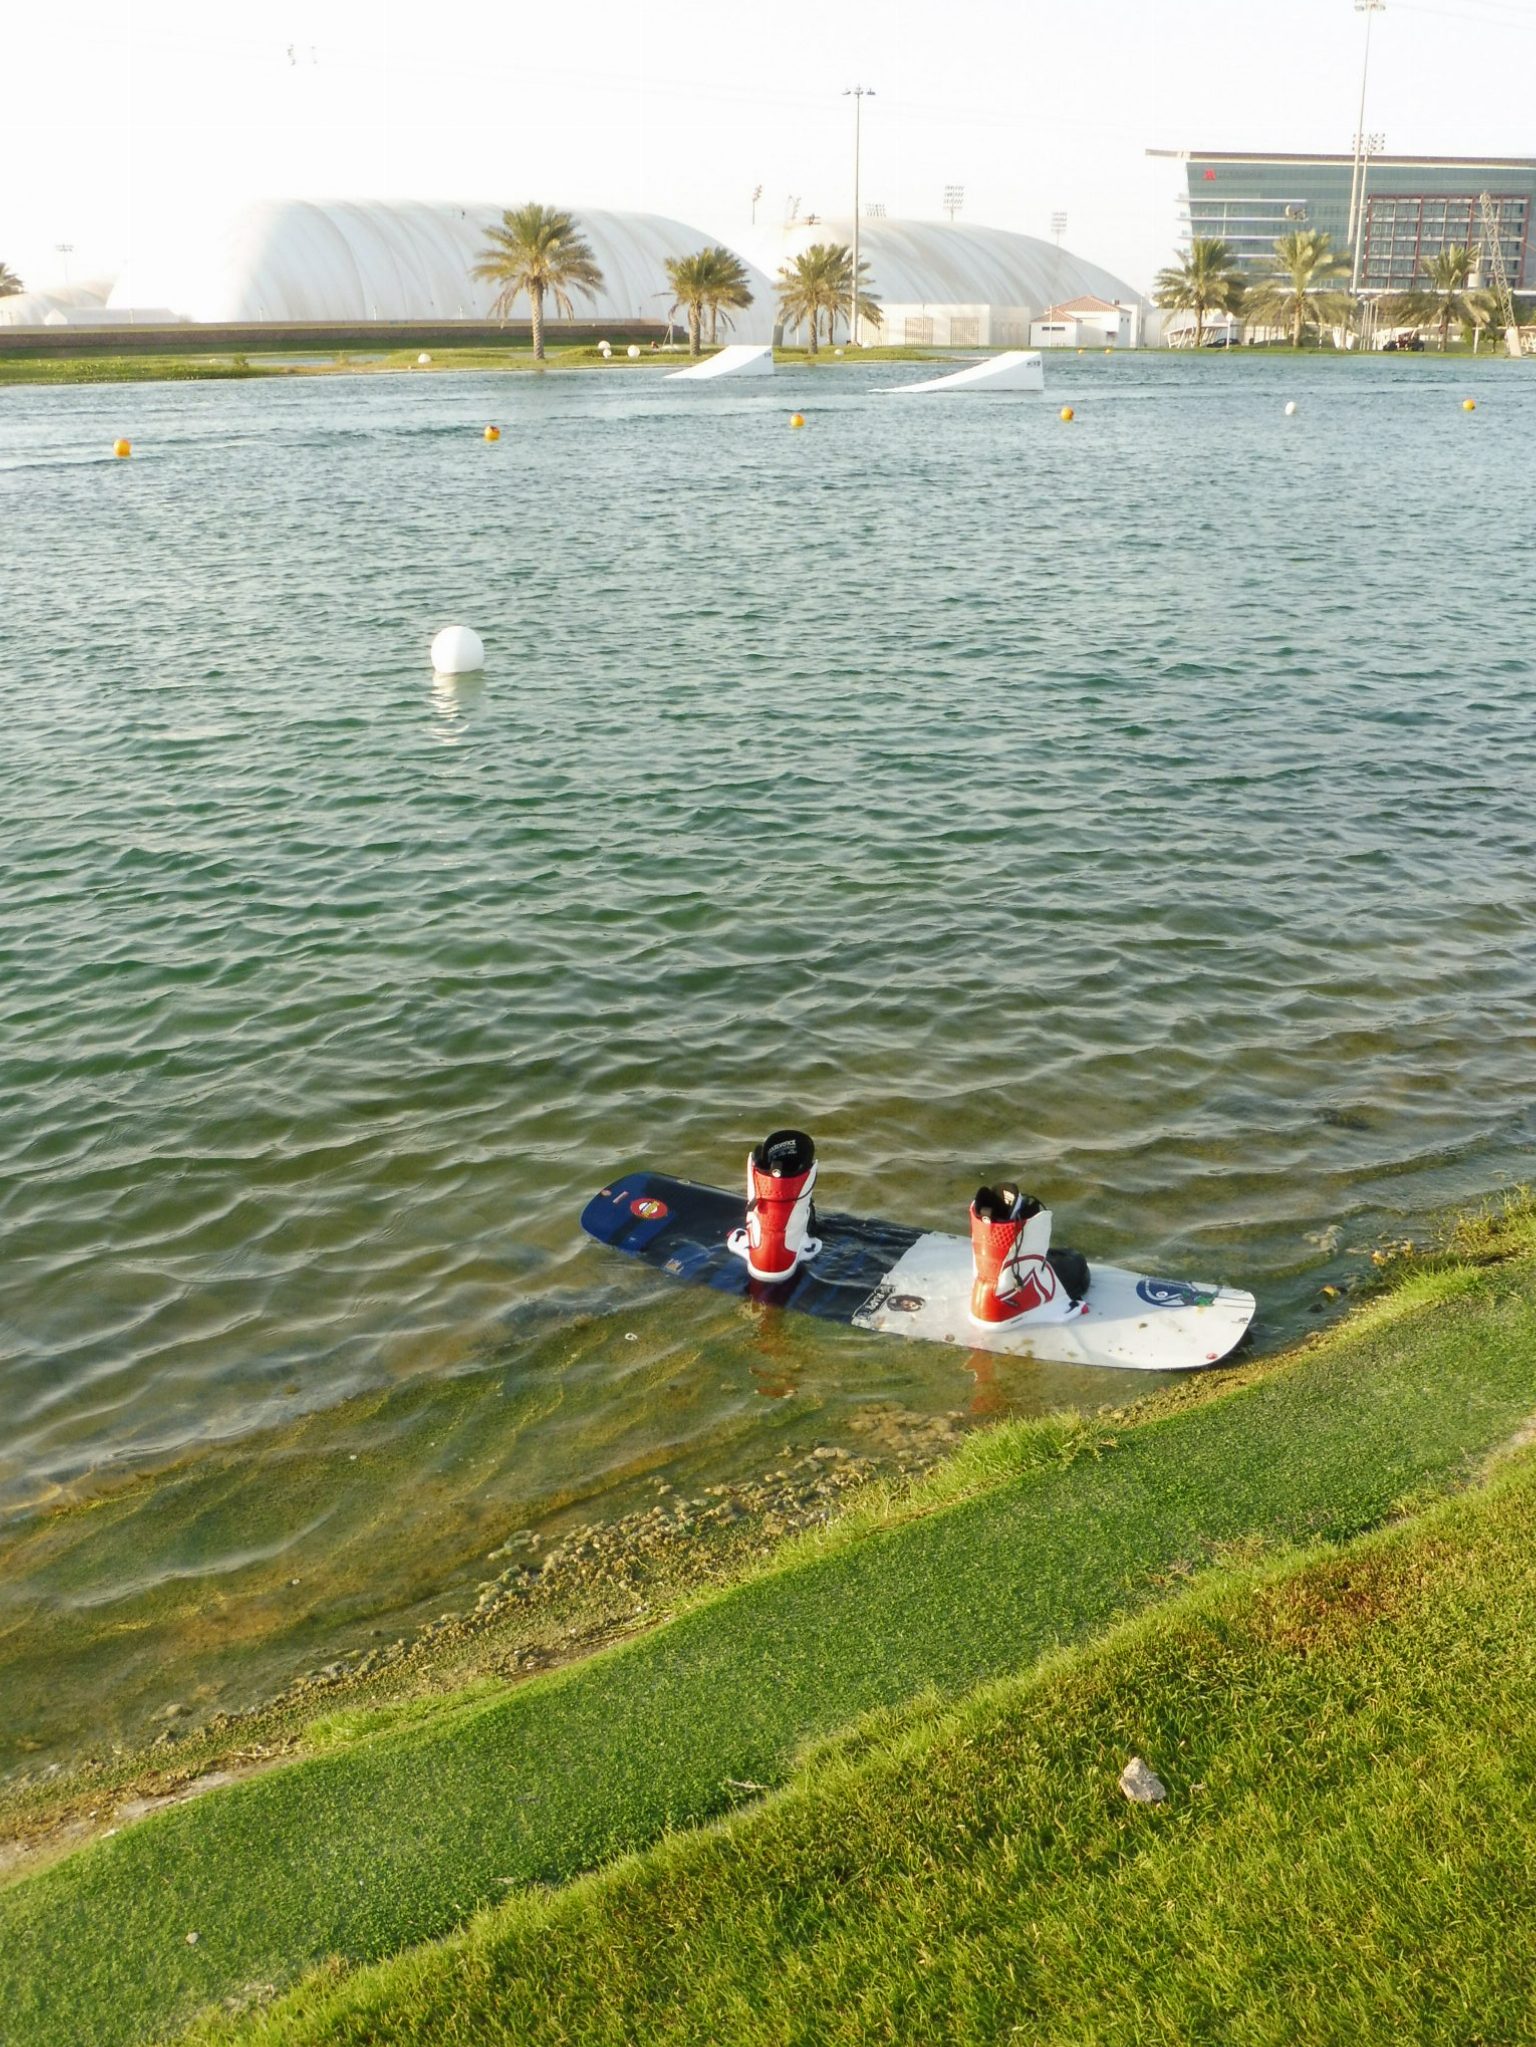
(363, 260)
(55, 307)
(939, 262)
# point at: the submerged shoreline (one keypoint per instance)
(551, 1601)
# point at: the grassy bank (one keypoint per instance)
(1036, 1535)
(161, 369)
(1344, 1853)
(123, 369)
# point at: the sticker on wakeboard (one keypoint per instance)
(902, 1304)
(649, 1210)
(1175, 1293)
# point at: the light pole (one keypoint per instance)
(66, 250)
(757, 193)
(954, 199)
(1058, 226)
(1369, 8)
(858, 94)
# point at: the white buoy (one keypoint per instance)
(634, 350)
(458, 650)
(1290, 409)
(422, 360)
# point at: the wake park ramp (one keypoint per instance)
(740, 359)
(1016, 369)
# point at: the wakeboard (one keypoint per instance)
(900, 1281)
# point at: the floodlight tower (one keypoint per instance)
(858, 94)
(1368, 146)
(954, 199)
(1370, 9)
(757, 193)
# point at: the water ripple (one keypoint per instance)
(1132, 807)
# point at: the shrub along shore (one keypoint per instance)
(962, 1861)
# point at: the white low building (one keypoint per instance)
(1087, 322)
(934, 324)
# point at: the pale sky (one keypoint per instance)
(116, 119)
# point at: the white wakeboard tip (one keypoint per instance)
(1129, 1322)
(737, 359)
(1016, 369)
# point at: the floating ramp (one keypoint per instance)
(1017, 369)
(740, 359)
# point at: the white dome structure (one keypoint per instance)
(339, 261)
(61, 305)
(938, 273)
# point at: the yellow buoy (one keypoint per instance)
(797, 419)
(1469, 405)
(122, 447)
(1082, 351)
(493, 433)
(1109, 351)
(1067, 413)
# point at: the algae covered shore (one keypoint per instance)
(1204, 1581)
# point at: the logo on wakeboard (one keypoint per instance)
(648, 1208)
(1175, 1293)
(883, 1298)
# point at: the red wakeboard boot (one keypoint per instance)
(1015, 1280)
(777, 1240)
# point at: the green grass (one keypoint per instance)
(122, 369)
(361, 361)
(1345, 1855)
(1049, 1532)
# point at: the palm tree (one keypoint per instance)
(10, 283)
(1205, 279)
(728, 289)
(1303, 289)
(819, 281)
(841, 265)
(707, 282)
(537, 250)
(690, 278)
(805, 289)
(1443, 296)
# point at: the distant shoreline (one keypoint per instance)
(227, 365)
(224, 365)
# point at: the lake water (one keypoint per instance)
(1145, 806)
